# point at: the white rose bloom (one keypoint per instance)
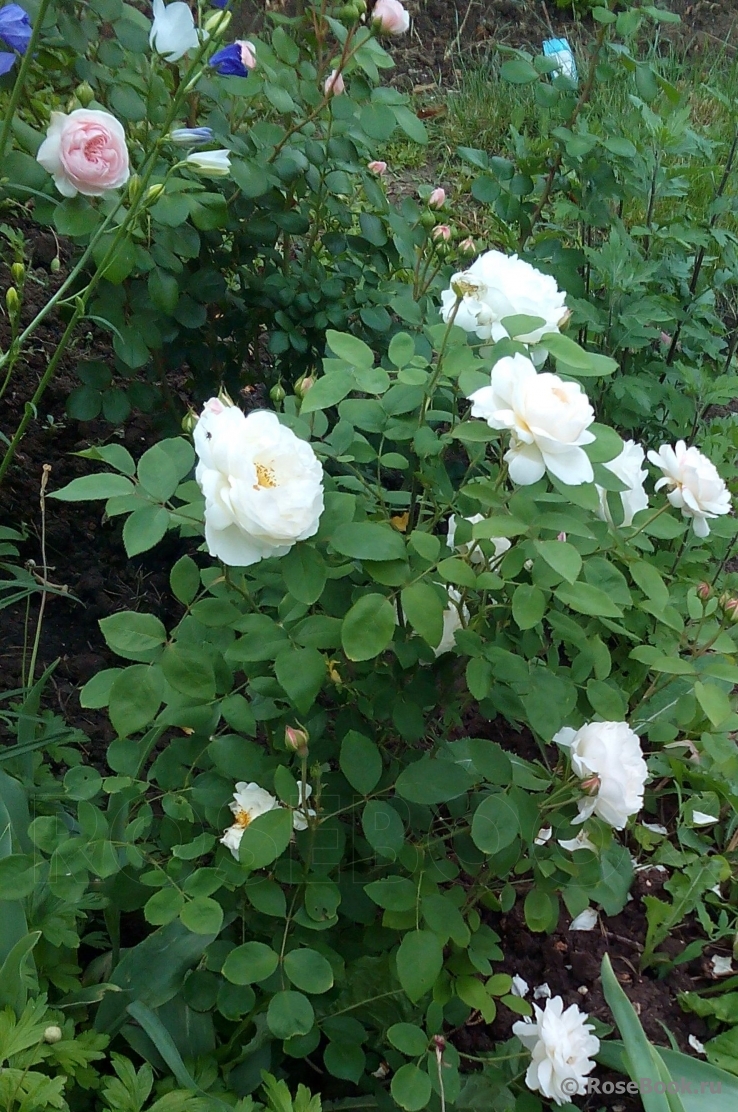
(548, 418)
(562, 1049)
(695, 487)
(173, 31)
(500, 544)
(451, 622)
(249, 801)
(608, 755)
(628, 467)
(497, 286)
(263, 486)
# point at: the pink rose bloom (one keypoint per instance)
(377, 167)
(248, 54)
(334, 85)
(85, 152)
(442, 231)
(437, 198)
(390, 17)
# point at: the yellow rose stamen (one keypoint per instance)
(242, 819)
(265, 476)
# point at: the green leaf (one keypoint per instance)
(350, 348)
(344, 1061)
(250, 963)
(433, 781)
(135, 698)
(301, 673)
(714, 702)
(528, 605)
(368, 627)
(304, 572)
(189, 671)
(419, 961)
(164, 906)
(395, 893)
(265, 839)
(562, 557)
(411, 1087)
(360, 761)
(13, 975)
(134, 636)
(157, 473)
(401, 349)
(495, 824)
(490, 761)
(541, 909)
(308, 970)
(706, 1088)
(75, 216)
(518, 71)
(408, 1038)
(144, 528)
(288, 1014)
(184, 580)
(383, 828)
(329, 390)
(423, 607)
(589, 600)
(368, 540)
(89, 488)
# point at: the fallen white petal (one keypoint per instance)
(585, 921)
(543, 992)
(696, 1045)
(721, 967)
(699, 818)
(543, 836)
(519, 987)
(655, 827)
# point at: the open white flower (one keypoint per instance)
(263, 486)
(562, 1049)
(452, 620)
(695, 486)
(548, 418)
(607, 757)
(249, 801)
(628, 467)
(497, 286)
(500, 544)
(211, 164)
(173, 31)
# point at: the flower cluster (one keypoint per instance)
(263, 486)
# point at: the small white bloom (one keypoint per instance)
(500, 544)
(212, 164)
(452, 620)
(543, 992)
(249, 801)
(519, 987)
(699, 818)
(301, 813)
(585, 921)
(544, 835)
(173, 31)
(497, 286)
(548, 418)
(582, 841)
(695, 487)
(697, 1046)
(263, 486)
(721, 967)
(609, 756)
(628, 467)
(562, 1049)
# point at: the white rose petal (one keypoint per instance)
(628, 467)
(497, 286)
(611, 753)
(544, 835)
(655, 827)
(519, 987)
(585, 921)
(721, 967)
(548, 419)
(173, 31)
(249, 801)
(543, 992)
(263, 486)
(582, 841)
(452, 620)
(696, 1045)
(694, 485)
(562, 1050)
(301, 813)
(500, 544)
(699, 818)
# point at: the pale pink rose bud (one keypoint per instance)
(665, 339)
(390, 18)
(334, 85)
(561, 537)
(377, 167)
(437, 198)
(303, 384)
(468, 246)
(85, 152)
(297, 740)
(731, 609)
(704, 590)
(248, 54)
(442, 231)
(591, 785)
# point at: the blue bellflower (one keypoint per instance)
(15, 32)
(229, 61)
(191, 136)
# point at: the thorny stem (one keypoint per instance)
(556, 164)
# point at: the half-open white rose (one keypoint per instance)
(694, 484)
(263, 486)
(548, 419)
(562, 1048)
(608, 757)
